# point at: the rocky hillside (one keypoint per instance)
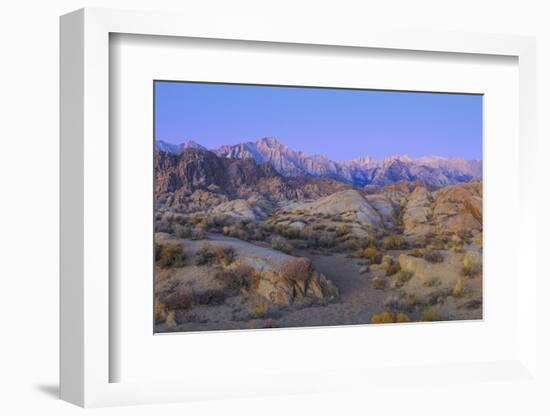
(199, 180)
(204, 177)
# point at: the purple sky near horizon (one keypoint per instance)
(338, 123)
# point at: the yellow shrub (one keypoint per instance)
(259, 310)
(385, 317)
(428, 315)
(388, 317)
(458, 289)
(402, 317)
(160, 311)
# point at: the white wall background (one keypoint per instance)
(29, 205)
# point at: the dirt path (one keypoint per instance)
(358, 299)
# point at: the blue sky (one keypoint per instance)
(338, 123)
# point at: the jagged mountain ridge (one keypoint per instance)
(179, 175)
(361, 171)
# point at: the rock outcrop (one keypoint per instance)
(347, 205)
(179, 176)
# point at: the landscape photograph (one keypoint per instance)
(285, 206)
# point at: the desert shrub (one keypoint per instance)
(179, 231)
(288, 232)
(217, 222)
(388, 317)
(465, 235)
(371, 254)
(180, 298)
(385, 317)
(180, 219)
(210, 297)
(297, 269)
(254, 231)
(402, 317)
(429, 315)
(197, 219)
(281, 244)
(378, 283)
(432, 281)
(392, 267)
(458, 288)
(342, 230)
(458, 248)
(467, 271)
(351, 244)
(402, 277)
(239, 233)
(469, 268)
(197, 234)
(416, 253)
(370, 241)
(327, 240)
(169, 255)
(433, 256)
(434, 241)
(239, 277)
(258, 310)
(163, 226)
(393, 242)
(225, 255)
(205, 255)
(160, 311)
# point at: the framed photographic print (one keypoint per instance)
(263, 211)
(350, 206)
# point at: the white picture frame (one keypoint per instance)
(85, 211)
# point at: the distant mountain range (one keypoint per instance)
(360, 172)
(176, 148)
